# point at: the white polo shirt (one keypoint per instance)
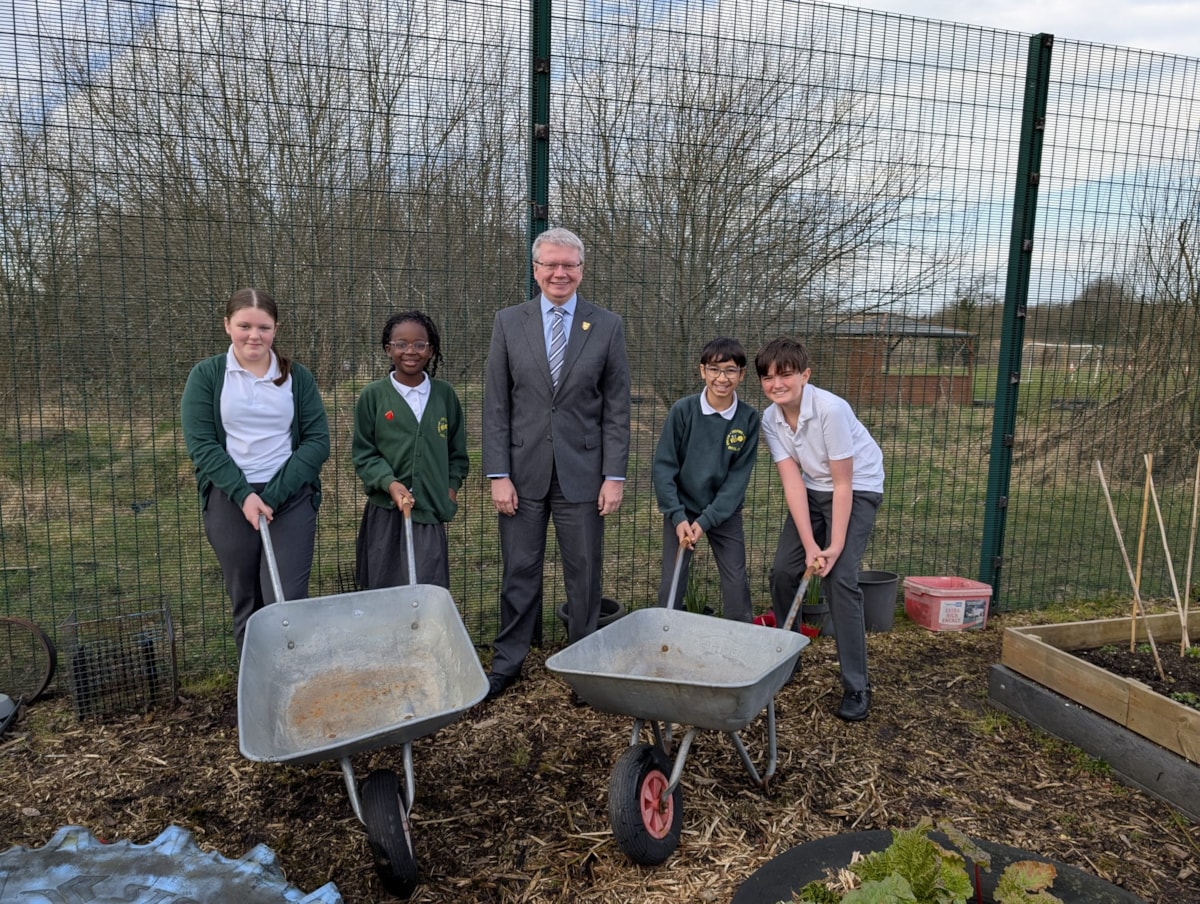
(706, 408)
(416, 396)
(257, 417)
(826, 431)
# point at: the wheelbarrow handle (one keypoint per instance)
(675, 575)
(409, 546)
(808, 573)
(272, 564)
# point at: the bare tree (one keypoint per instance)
(216, 149)
(724, 191)
(1148, 390)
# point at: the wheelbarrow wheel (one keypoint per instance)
(388, 832)
(646, 829)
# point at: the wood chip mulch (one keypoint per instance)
(511, 802)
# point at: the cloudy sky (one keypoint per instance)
(1170, 26)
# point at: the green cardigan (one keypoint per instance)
(205, 437)
(430, 457)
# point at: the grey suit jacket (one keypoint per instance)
(582, 429)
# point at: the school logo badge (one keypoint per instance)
(735, 439)
(443, 428)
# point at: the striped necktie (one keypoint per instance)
(558, 344)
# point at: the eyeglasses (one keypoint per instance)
(730, 373)
(570, 268)
(401, 346)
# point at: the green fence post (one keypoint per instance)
(539, 119)
(539, 154)
(1016, 299)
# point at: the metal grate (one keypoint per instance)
(120, 662)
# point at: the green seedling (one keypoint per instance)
(1187, 698)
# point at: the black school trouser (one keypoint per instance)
(842, 592)
(239, 549)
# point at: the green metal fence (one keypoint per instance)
(859, 179)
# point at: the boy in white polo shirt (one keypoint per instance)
(832, 475)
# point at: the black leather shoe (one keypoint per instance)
(498, 684)
(855, 705)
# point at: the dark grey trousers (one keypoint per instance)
(580, 532)
(239, 549)
(728, 544)
(842, 592)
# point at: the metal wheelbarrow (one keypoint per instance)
(664, 666)
(328, 677)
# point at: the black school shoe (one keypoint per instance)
(498, 684)
(855, 705)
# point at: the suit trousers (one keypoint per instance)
(580, 532)
(842, 593)
(239, 549)
(727, 541)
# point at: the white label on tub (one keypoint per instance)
(952, 612)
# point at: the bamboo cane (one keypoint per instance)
(1149, 459)
(1138, 608)
(1184, 640)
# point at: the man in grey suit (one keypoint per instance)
(555, 444)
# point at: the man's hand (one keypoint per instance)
(611, 493)
(504, 496)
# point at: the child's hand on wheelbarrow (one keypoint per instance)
(688, 533)
(400, 495)
(814, 568)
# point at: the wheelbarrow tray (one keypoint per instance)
(328, 677)
(667, 665)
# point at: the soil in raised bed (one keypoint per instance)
(1182, 672)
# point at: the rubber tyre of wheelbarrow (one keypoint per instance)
(388, 832)
(640, 776)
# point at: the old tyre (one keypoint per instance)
(646, 829)
(388, 833)
(27, 659)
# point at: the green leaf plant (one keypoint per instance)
(914, 869)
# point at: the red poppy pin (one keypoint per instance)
(389, 415)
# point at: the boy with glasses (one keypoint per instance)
(701, 470)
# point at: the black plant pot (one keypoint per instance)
(610, 611)
(779, 878)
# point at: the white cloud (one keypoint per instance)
(1167, 26)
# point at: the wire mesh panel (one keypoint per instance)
(1110, 332)
(760, 169)
(798, 169)
(120, 662)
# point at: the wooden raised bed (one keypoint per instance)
(1042, 654)
(1149, 740)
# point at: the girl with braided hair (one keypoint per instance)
(409, 450)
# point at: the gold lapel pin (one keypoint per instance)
(587, 325)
